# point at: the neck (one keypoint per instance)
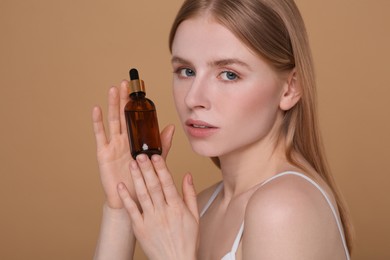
(244, 169)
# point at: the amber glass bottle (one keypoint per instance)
(141, 119)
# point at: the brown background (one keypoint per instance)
(58, 59)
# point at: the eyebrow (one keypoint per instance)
(217, 63)
(176, 59)
(226, 62)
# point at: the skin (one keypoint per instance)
(222, 91)
(116, 239)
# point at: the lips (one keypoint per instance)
(198, 124)
(200, 129)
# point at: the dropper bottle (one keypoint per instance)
(141, 119)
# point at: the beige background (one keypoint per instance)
(58, 59)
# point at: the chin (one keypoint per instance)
(204, 150)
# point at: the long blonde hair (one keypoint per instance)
(274, 29)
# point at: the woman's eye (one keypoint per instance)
(228, 75)
(185, 72)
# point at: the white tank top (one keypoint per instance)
(232, 254)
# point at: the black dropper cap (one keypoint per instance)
(133, 74)
(136, 85)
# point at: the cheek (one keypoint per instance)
(258, 110)
(261, 97)
(178, 96)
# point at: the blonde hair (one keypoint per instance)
(274, 29)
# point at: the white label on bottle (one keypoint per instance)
(145, 147)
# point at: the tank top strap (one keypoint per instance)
(212, 198)
(238, 239)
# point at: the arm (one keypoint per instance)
(116, 239)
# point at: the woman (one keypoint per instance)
(245, 93)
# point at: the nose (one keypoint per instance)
(197, 96)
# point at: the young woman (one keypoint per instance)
(244, 89)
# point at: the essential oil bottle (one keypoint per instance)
(141, 119)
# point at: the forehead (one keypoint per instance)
(203, 36)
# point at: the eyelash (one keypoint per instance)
(179, 72)
(227, 72)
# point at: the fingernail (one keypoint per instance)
(113, 91)
(141, 157)
(155, 158)
(189, 179)
(172, 130)
(121, 186)
(133, 165)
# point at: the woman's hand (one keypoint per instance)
(168, 226)
(113, 152)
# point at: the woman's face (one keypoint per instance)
(227, 97)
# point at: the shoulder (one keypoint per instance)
(288, 213)
(286, 196)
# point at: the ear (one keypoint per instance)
(291, 91)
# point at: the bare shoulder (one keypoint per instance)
(289, 218)
(286, 196)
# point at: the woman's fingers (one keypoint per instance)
(158, 180)
(114, 124)
(98, 128)
(140, 188)
(189, 195)
(166, 139)
(151, 180)
(123, 99)
(168, 186)
(129, 204)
